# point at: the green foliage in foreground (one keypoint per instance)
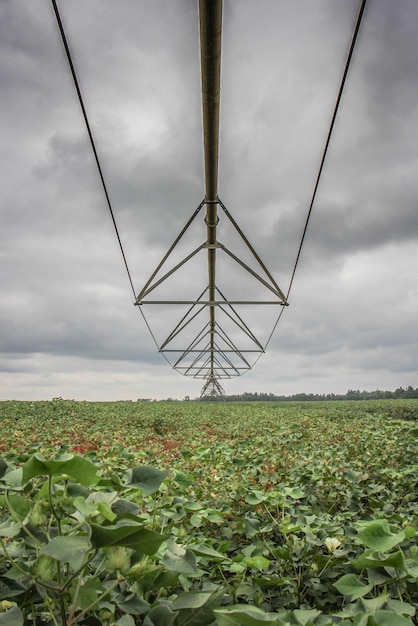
(232, 516)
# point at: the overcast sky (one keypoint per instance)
(68, 326)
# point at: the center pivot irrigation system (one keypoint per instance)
(212, 351)
(211, 341)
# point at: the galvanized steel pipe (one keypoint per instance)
(210, 13)
(210, 16)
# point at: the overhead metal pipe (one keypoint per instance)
(210, 17)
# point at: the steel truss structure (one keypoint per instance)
(214, 352)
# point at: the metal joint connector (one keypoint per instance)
(211, 225)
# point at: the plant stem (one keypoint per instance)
(77, 591)
(325, 567)
(14, 563)
(51, 504)
(80, 569)
(15, 516)
(60, 593)
(33, 612)
(96, 601)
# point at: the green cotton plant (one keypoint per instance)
(75, 546)
(386, 572)
(292, 515)
(72, 545)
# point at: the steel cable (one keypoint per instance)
(331, 128)
(96, 156)
(90, 134)
(321, 166)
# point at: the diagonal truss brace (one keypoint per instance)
(211, 352)
(153, 282)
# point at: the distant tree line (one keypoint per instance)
(408, 392)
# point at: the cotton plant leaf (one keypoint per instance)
(351, 585)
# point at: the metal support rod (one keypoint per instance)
(210, 16)
(167, 254)
(212, 303)
(253, 252)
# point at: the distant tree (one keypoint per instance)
(352, 394)
(410, 392)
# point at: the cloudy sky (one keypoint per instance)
(68, 326)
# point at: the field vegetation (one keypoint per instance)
(223, 514)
